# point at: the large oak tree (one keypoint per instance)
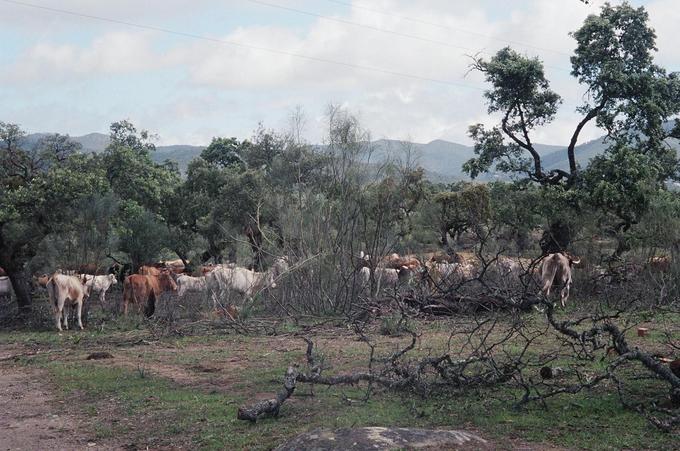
(627, 95)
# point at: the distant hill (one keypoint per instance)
(93, 142)
(182, 154)
(442, 160)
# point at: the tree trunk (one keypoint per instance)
(444, 239)
(622, 241)
(557, 238)
(22, 289)
(183, 256)
(522, 240)
(255, 240)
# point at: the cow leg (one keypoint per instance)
(564, 295)
(102, 297)
(79, 309)
(546, 288)
(64, 311)
(57, 318)
(150, 305)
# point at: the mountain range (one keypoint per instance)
(442, 160)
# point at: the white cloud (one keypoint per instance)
(109, 54)
(267, 85)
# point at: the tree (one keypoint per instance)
(468, 207)
(224, 194)
(516, 208)
(40, 190)
(144, 189)
(132, 173)
(629, 96)
(224, 152)
(621, 184)
(141, 234)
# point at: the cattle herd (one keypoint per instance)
(437, 271)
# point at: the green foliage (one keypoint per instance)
(145, 189)
(468, 207)
(131, 172)
(628, 95)
(492, 151)
(520, 90)
(40, 190)
(660, 227)
(141, 234)
(622, 183)
(631, 95)
(224, 152)
(264, 148)
(522, 94)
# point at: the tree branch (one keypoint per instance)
(523, 144)
(574, 138)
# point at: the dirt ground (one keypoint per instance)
(32, 419)
(37, 418)
(37, 413)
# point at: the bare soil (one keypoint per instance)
(32, 419)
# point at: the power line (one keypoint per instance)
(392, 32)
(357, 24)
(243, 45)
(445, 27)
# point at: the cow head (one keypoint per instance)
(572, 259)
(112, 278)
(41, 280)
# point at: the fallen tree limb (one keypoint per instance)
(270, 407)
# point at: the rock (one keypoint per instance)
(549, 373)
(380, 438)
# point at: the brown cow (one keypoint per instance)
(41, 281)
(659, 263)
(139, 288)
(394, 261)
(556, 270)
(66, 291)
(440, 257)
(148, 270)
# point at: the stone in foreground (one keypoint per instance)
(379, 438)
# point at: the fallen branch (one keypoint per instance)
(270, 407)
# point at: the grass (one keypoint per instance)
(135, 404)
(591, 420)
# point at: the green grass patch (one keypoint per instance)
(170, 414)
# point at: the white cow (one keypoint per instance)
(66, 291)
(556, 270)
(384, 277)
(188, 283)
(242, 280)
(5, 287)
(100, 284)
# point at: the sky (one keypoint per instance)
(192, 70)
